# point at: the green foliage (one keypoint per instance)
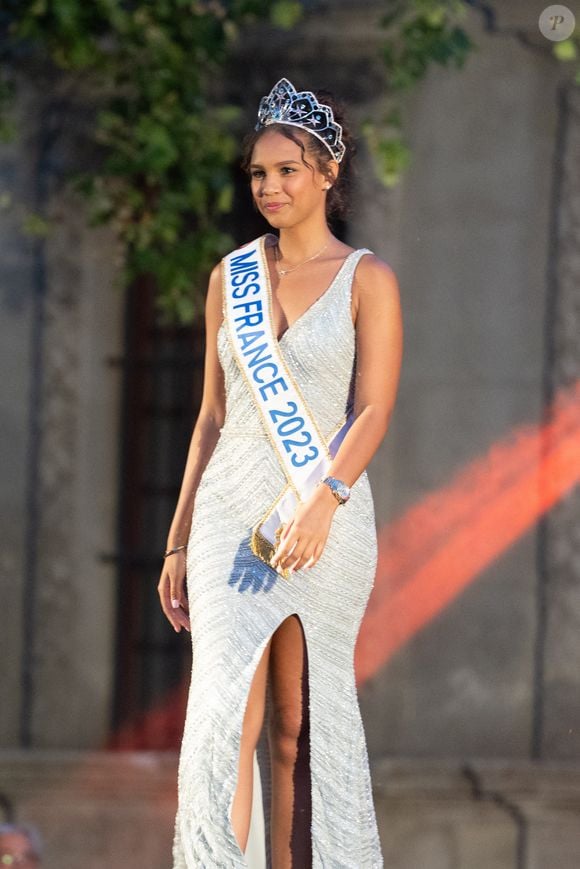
(165, 144)
(566, 50)
(35, 225)
(7, 129)
(390, 152)
(419, 34)
(427, 32)
(164, 178)
(286, 13)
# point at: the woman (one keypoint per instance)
(274, 527)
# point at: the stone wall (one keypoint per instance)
(61, 320)
(99, 809)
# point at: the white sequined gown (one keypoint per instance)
(237, 602)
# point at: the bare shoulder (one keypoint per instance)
(375, 288)
(214, 298)
(215, 278)
(375, 276)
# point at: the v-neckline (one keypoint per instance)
(318, 299)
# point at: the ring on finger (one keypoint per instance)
(290, 558)
(297, 564)
(276, 556)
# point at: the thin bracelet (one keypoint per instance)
(176, 549)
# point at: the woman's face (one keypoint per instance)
(286, 191)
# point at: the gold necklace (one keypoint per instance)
(282, 272)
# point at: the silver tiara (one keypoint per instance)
(284, 105)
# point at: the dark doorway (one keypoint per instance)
(162, 389)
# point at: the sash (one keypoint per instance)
(302, 451)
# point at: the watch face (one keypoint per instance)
(341, 489)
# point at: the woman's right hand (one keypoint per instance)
(171, 590)
(205, 436)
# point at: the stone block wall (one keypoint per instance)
(117, 810)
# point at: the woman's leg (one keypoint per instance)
(252, 726)
(289, 738)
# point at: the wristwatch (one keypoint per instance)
(339, 489)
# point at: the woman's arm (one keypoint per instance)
(379, 336)
(203, 441)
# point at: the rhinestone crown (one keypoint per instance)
(285, 105)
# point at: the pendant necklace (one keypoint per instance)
(282, 272)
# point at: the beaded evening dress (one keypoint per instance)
(237, 602)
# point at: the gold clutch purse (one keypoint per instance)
(264, 550)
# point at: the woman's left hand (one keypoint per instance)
(303, 539)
